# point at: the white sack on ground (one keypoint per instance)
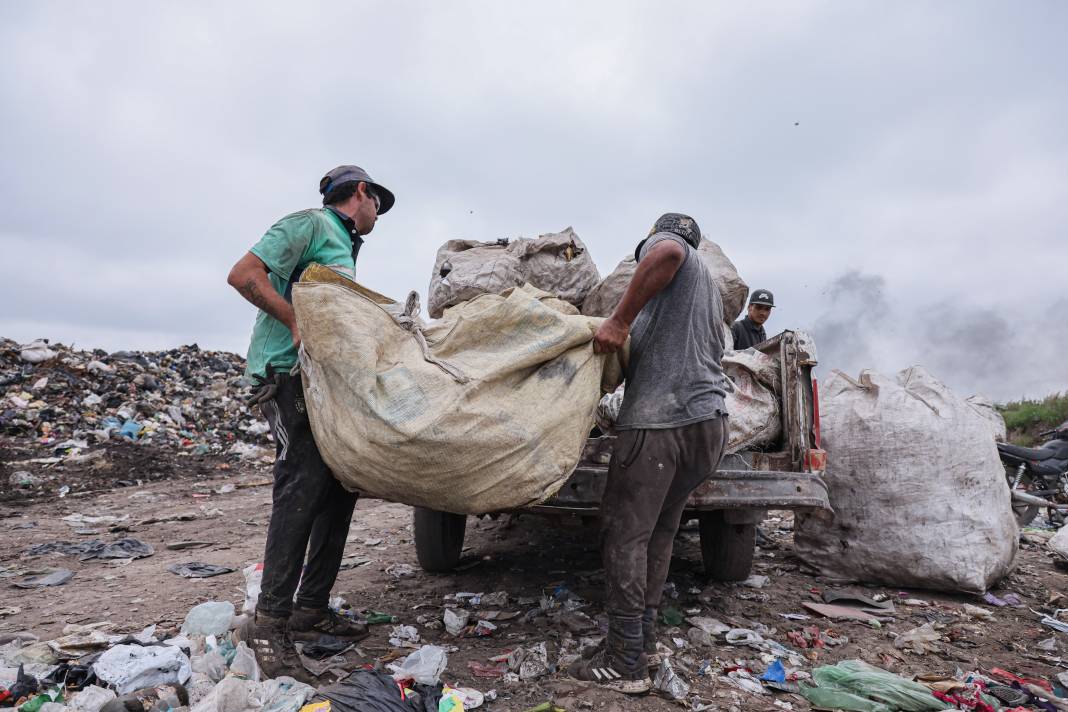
(755, 411)
(604, 297)
(985, 407)
(916, 484)
(1058, 544)
(490, 412)
(557, 263)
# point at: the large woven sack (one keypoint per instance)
(986, 408)
(557, 263)
(916, 484)
(753, 401)
(604, 297)
(485, 410)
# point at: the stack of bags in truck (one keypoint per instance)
(488, 406)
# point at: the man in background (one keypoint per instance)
(749, 330)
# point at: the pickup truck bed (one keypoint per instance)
(728, 505)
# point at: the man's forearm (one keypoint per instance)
(260, 293)
(254, 286)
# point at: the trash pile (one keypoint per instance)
(204, 666)
(207, 666)
(70, 406)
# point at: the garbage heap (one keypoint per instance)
(68, 405)
(207, 666)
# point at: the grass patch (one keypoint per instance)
(1025, 419)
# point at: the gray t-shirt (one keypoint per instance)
(674, 376)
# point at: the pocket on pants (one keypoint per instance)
(629, 450)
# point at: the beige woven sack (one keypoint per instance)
(485, 410)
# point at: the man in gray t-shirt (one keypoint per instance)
(672, 432)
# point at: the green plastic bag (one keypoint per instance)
(835, 699)
(55, 695)
(859, 683)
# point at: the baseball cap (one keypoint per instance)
(682, 225)
(347, 174)
(762, 296)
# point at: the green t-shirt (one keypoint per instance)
(292, 243)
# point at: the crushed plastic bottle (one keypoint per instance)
(211, 618)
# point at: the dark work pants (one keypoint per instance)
(310, 510)
(650, 478)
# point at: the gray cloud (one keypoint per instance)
(972, 349)
(148, 146)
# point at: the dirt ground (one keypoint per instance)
(528, 557)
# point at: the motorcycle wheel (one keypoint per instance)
(1024, 513)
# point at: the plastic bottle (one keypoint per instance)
(150, 699)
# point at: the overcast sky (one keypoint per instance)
(896, 173)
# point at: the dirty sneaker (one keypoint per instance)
(310, 624)
(652, 653)
(600, 668)
(274, 651)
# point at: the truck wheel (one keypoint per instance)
(439, 538)
(726, 549)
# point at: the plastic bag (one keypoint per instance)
(211, 618)
(424, 665)
(919, 640)
(132, 667)
(854, 685)
(211, 664)
(284, 694)
(244, 663)
(366, 690)
(91, 699)
(253, 582)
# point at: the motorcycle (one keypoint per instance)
(1038, 477)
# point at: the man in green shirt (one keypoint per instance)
(310, 511)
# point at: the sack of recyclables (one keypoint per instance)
(485, 410)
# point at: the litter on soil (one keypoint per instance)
(198, 569)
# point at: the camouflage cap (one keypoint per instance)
(678, 224)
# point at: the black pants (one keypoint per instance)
(650, 479)
(310, 510)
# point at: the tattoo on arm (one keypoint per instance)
(251, 291)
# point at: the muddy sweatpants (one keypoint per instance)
(650, 478)
(310, 510)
